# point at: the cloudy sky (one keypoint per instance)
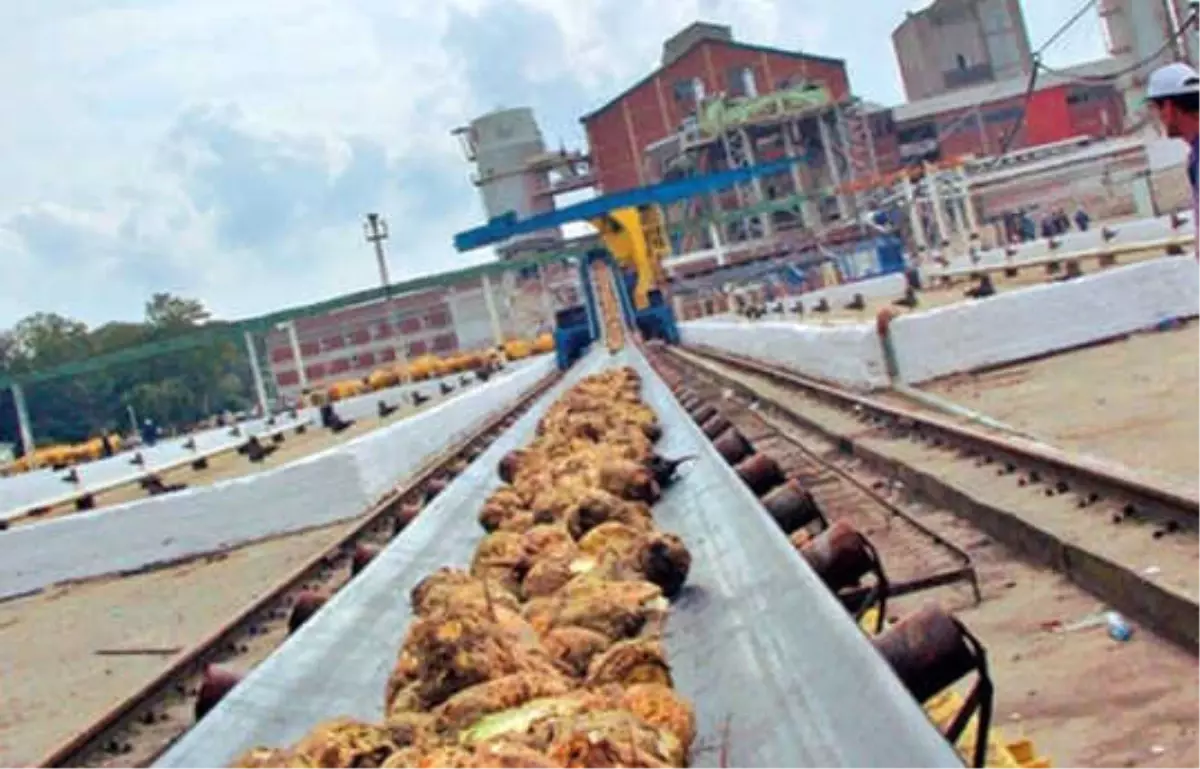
(226, 149)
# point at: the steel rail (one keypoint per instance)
(1169, 611)
(1170, 504)
(192, 660)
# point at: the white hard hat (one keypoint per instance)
(1176, 79)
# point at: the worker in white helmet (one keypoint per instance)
(1174, 94)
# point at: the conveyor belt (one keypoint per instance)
(777, 670)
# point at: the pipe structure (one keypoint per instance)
(260, 388)
(493, 313)
(23, 423)
(297, 355)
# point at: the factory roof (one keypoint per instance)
(727, 43)
(963, 98)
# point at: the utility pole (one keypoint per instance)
(375, 230)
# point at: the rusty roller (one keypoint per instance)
(363, 555)
(703, 413)
(732, 446)
(434, 487)
(760, 473)
(715, 426)
(215, 683)
(842, 557)
(308, 603)
(930, 650)
(404, 516)
(793, 507)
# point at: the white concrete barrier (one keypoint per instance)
(1044, 319)
(970, 335)
(849, 354)
(334, 485)
(386, 455)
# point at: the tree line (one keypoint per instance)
(175, 389)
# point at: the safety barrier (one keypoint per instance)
(1043, 319)
(337, 484)
(848, 354)
(970, 335)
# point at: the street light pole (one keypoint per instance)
(375, 230)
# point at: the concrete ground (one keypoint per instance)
(53, 679)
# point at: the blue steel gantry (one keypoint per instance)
(631, 226)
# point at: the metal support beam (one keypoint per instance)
(24, 426)
(968, 202)
(914, 215)
(493, 313)
(935, 202)
(297, 355)
(547, 298)
(714, 232)
(809, 214)
(835, 175)
(260, 388)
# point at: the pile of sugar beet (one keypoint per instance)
(548, 651)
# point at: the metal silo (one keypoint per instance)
(504, 146)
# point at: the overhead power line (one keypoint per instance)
(1065, 27)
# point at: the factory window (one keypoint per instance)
(366, 360)
(310, 348)
(315, 371)
(410, 326)
(383, 331)
(740, 81)
(683, 91)
(416, 349)
(287, 378)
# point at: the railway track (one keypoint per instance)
(140, 727)
(1003, 484)
(847, 490)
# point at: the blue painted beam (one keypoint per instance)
(507, 226)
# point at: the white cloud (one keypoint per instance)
(227, 150)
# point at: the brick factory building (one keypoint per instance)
(701, 61)
(352, 341)
(977, 120)
(643, 133)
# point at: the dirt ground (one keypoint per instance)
(1081, 697)
(233, 465)
(53, 682)
(1135, 401)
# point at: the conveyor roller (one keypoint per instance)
(777, 670)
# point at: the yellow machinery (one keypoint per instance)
(637, 241)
